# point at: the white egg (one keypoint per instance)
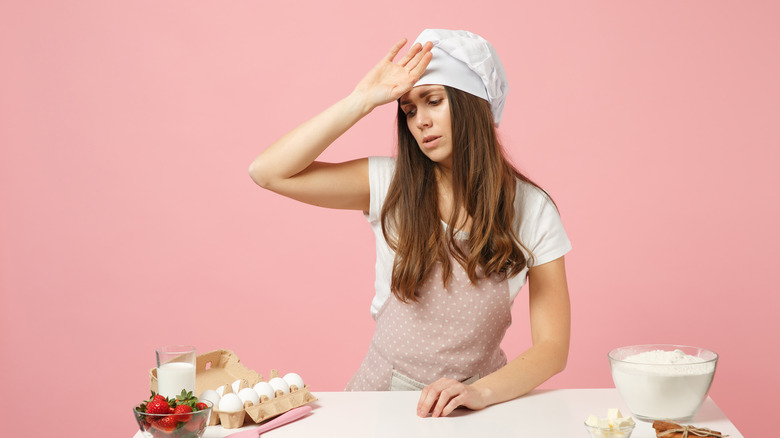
(264, 389)
(230, 403)
(221, 390)
(278, 384)
(236, 385)
(293, 379)
(211, 396)
(249, 394)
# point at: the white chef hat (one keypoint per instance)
(467, 62)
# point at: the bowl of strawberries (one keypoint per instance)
(182, 417)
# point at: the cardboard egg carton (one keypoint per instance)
(222, 367)
(266, 409)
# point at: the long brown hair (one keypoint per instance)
(483, 183)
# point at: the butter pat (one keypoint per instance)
(613, 426)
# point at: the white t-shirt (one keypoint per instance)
(537, 224)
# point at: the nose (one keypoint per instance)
(422, 119)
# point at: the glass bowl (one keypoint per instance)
(663, 381)
(191, 428)
(610, 432)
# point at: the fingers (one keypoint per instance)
(420, 61)
(412, 58)
(427, 398)
(416, 47)
(440, 398)
(449, 399)
(415, 55)
(396, 48)
(422, 64)
(449, 407)
(389, 80)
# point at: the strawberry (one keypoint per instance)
(146, 420)
(166, 424)
(196, 424)
(183, 413)
(186, 398)
(201, 406)
(158, 407)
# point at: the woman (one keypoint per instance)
(458, 229)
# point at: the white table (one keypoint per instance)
(546, 413)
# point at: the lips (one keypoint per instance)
(430, 141)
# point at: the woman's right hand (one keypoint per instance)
(288, 166)
(389, 80)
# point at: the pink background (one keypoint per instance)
(128, 220)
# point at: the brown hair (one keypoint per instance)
(483, 184)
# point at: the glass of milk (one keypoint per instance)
(175, 369)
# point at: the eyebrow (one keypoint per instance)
(422, 96)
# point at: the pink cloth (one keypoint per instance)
(454, 332)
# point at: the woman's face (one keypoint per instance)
(427, 111)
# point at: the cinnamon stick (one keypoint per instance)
(666, 429)
(661, 426)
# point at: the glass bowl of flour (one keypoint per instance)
(662, 381)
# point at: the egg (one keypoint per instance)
(211, 396)
(293, 379)
(278, 384)
(249, 394)
(236, 385)
(231, 403)
(264, 389)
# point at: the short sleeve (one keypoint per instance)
(540, 228)
(380, 174)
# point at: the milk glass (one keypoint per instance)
(175, 370)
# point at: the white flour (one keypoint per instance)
(663, 384)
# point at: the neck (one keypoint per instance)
(446, 202)
(444, 177)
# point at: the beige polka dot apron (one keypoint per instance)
(452, 332)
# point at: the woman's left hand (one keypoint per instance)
(441, 397)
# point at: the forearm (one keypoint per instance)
(550, 331)
(518, 377)
(527, 371)
(298, 149)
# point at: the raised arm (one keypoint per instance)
(550, 332)
(288, 166)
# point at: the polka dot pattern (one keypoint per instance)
(452, 332)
